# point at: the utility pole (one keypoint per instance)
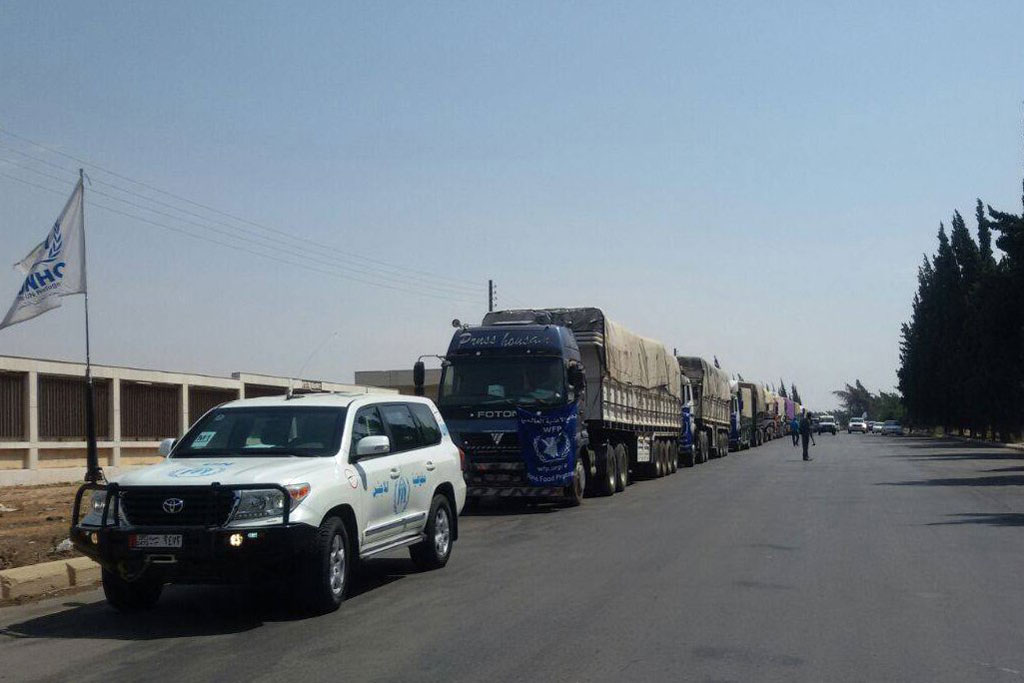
(490, 295)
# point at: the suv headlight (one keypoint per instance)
(94, 513)
(263, 504)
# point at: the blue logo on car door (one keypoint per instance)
(401, 495)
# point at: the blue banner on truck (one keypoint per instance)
(548, 443)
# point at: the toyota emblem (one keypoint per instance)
(173, 505)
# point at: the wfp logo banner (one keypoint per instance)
(55, 268)
(548, 444)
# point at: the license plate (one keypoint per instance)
(155, 541)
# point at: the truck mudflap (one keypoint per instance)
(516, 492)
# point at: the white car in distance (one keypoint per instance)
(299, 487)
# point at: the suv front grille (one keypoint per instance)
(199, 506)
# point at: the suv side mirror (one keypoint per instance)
(166, 446)
(373, 445)
(576, 377)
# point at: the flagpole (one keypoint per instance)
(93, 472)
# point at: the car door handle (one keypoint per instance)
(430, 465)
(395, 473)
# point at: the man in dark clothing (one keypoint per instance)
(806, 434)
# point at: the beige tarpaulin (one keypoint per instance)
(639, 361)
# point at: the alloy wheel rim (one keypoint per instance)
(337, 565)
(442, 532)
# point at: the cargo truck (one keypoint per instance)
(752, 419)
(543, 400)
(712, 401)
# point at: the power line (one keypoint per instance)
(218, 211)
(288, 249)
(401, 277)
(236, 247)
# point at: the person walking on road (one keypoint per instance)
(806, 434)
(794, 429)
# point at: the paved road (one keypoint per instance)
(881, 560)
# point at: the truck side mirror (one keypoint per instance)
(166, 446)
(577, 380)
(419, 375)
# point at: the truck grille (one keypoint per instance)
(494, 461)
(199, 507)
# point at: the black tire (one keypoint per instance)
(705, 446)
(434, 551)
(131, 596)
(575, 491)
(673, 457)
(690, 457)
(327, 573)
(661, 464)
(623, 468)
(607, 476)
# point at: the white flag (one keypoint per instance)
(55, 268)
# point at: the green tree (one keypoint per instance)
(782, 389)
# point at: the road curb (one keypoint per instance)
(40, 579)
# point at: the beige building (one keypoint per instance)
(42, 413)
(400, 380)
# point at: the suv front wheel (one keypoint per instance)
(326, 576)
(434, 551)
(131, 596)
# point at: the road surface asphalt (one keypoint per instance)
(883, 559)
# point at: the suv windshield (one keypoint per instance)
(496, 381)
(265, 431)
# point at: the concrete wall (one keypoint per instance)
(30, 460)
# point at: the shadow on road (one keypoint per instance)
(501, 508)
(1009, 480)
(987, 518)
(190, 611)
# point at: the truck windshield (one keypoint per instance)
(496, 381)
(265, 431)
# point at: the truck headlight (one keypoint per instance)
(267, 503)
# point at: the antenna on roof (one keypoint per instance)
(291, 382)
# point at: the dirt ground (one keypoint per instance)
(38, 522)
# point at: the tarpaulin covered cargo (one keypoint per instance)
(631, 379)
(711, 392)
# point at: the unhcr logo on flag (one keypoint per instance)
(55, 268)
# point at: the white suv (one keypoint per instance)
(268, 488)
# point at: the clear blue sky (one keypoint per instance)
(752, 180)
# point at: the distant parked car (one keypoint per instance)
(856, 424)
(827, 423)
(876, 427)
(892, 428)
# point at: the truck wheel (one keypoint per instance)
(574, 491)
(661, 464)
(705, 446)
(623, 469)
(325, 577)
(131, 596)
(673, 458)
(607, 478)
(434, 551)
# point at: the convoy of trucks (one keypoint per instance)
(559, 403)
